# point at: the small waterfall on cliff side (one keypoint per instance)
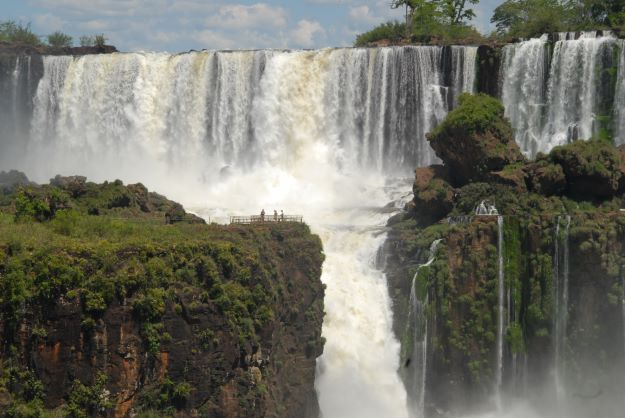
(619, 97)
(561, 301)
(623, 303)
(16, 89)
(318, 133)
(417, 328)
(554, 97)
(501, 287)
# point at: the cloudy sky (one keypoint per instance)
(181, 25)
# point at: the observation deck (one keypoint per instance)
(258, 219)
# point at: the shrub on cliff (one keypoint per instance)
(60, 40)
(475, 139)
(391, 31)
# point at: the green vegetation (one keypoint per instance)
(527, 18)
(475, 114)
(21, 34)
(60, 40)
(101, 247)
(392, 31)
(427, 21)
(18, 33)
(95, 40)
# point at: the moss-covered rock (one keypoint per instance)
(433, 195)
(592, 168)
(545, 178)
(116, 316)
(475, 139)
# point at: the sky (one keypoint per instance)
(182, 25)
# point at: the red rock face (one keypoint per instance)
(227, 375)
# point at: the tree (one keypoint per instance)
(60, 40)
(86, 40)
(409, 6)
(10, 31)
(526, 18)
(456, 11)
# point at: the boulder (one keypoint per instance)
(433, 195)
(592, 168)
(545, 178)
(475, 139)
(511, 176)
(75, 185)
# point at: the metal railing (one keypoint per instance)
(257, 219)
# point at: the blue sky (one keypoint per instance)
(181, 25)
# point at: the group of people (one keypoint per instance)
(275, 216)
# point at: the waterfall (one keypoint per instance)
(623, 302)
(555, 97)
(501, 286)
(417, 329)
(463, 64)
(207, 107)
(16, 90)
(619, 98)
(320, 133)
(561, 299)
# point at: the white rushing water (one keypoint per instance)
(556, 96)
(318, 133)
(417, 328)
(561, 299)
(501, 300)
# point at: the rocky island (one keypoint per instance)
(521, 300)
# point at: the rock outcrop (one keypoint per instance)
(475, 139)
(101, 316)
(561, 228)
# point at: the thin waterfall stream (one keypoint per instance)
(501, 287)
(561, 290)
(417, 328)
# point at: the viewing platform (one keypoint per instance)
(258, 219)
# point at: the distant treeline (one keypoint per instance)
(447, 20)
(20, 33)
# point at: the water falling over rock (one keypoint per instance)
(554, 97)
(417, 330)
(313, 132)
(561, 299)
(501, 291)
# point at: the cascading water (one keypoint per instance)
(314, 132)
(623, 303)
(561, 299)
(554, 97)
(619, 97)
(417, 328)
(501, 287)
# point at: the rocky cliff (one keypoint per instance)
(524, 303)
(107, 311)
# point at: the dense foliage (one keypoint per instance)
(16, 32)
(60, 40)
(475, 114)
(21, 34)
(427, 21)
(92, 247)
(526, 18)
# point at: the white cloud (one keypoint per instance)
(49, 23)
(305, 33)
(362, 14)
(238, 16)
